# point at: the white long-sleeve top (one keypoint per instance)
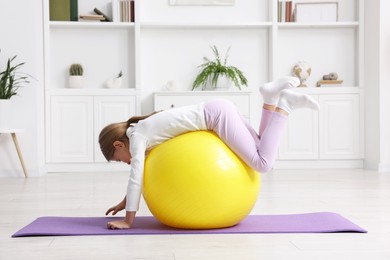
(152, 131)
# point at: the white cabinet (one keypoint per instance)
(333, 133)
(166, 100)
(70, 129)
(75, 121)
(339, 128)
(300, 140)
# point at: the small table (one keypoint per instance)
(13, 134)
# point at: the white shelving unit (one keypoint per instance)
(74, 117)
(168, 43)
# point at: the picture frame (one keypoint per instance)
(316, 12)
(202, 2)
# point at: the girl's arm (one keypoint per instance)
(115, 209)
(138, 146)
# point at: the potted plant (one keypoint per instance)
(214, 72)
(10, 81)
(76, 72)
(115, 82)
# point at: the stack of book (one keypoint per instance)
(329, 83)
(98, 16)
(123, 10)
(285, 11)
(92, 17)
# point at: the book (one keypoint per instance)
(106, 18)
(115, 13)
(289, 11)
(123, 11)
(93, 17)
(329, 83)
(74, 12)
(132, 11)
(63, 10)
(59, 10)
(285, 11)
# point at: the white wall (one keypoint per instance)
(384, 90)
(371, 44)
(377, 93)
(21, 35)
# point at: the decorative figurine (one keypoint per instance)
(302, 70)
(330, 76)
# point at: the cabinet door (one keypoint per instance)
(300, 140)
(111, 109)
(339, 127)
(71, 129)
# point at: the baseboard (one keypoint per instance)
(281, 164)
(87, 167)
(384, 167)
(18, 173)
(375, 166)
(318, 164)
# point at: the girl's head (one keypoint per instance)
(114, 142)
(110, 136)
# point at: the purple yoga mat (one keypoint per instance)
(320, 222)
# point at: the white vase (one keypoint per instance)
(223, 84)
(114, 83)
(5, 110)
(76, 81)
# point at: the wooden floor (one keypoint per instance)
(361, 196)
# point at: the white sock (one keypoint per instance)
(271, 90)
(290, 101)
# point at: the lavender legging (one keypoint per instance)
(256, 150)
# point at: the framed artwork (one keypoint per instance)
(317, 12)
(201, 2)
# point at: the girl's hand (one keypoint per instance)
(123, 224)
(115, 209)
(119, 224)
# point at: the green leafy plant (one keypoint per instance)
(76, 69)
(211, 70)
(11, 79)
(120, 74)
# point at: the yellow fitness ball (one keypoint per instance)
(194, 181)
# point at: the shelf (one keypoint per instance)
(157, 25)
(259, 25)
(319, 25)
(308, 90)
(201, 92)
(330, 90)
(92, 92)
(91, 25)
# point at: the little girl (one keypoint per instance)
(130, 141)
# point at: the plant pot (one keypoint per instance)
(114, 83)
(223, 84)
(5, 111)
(76, 81)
